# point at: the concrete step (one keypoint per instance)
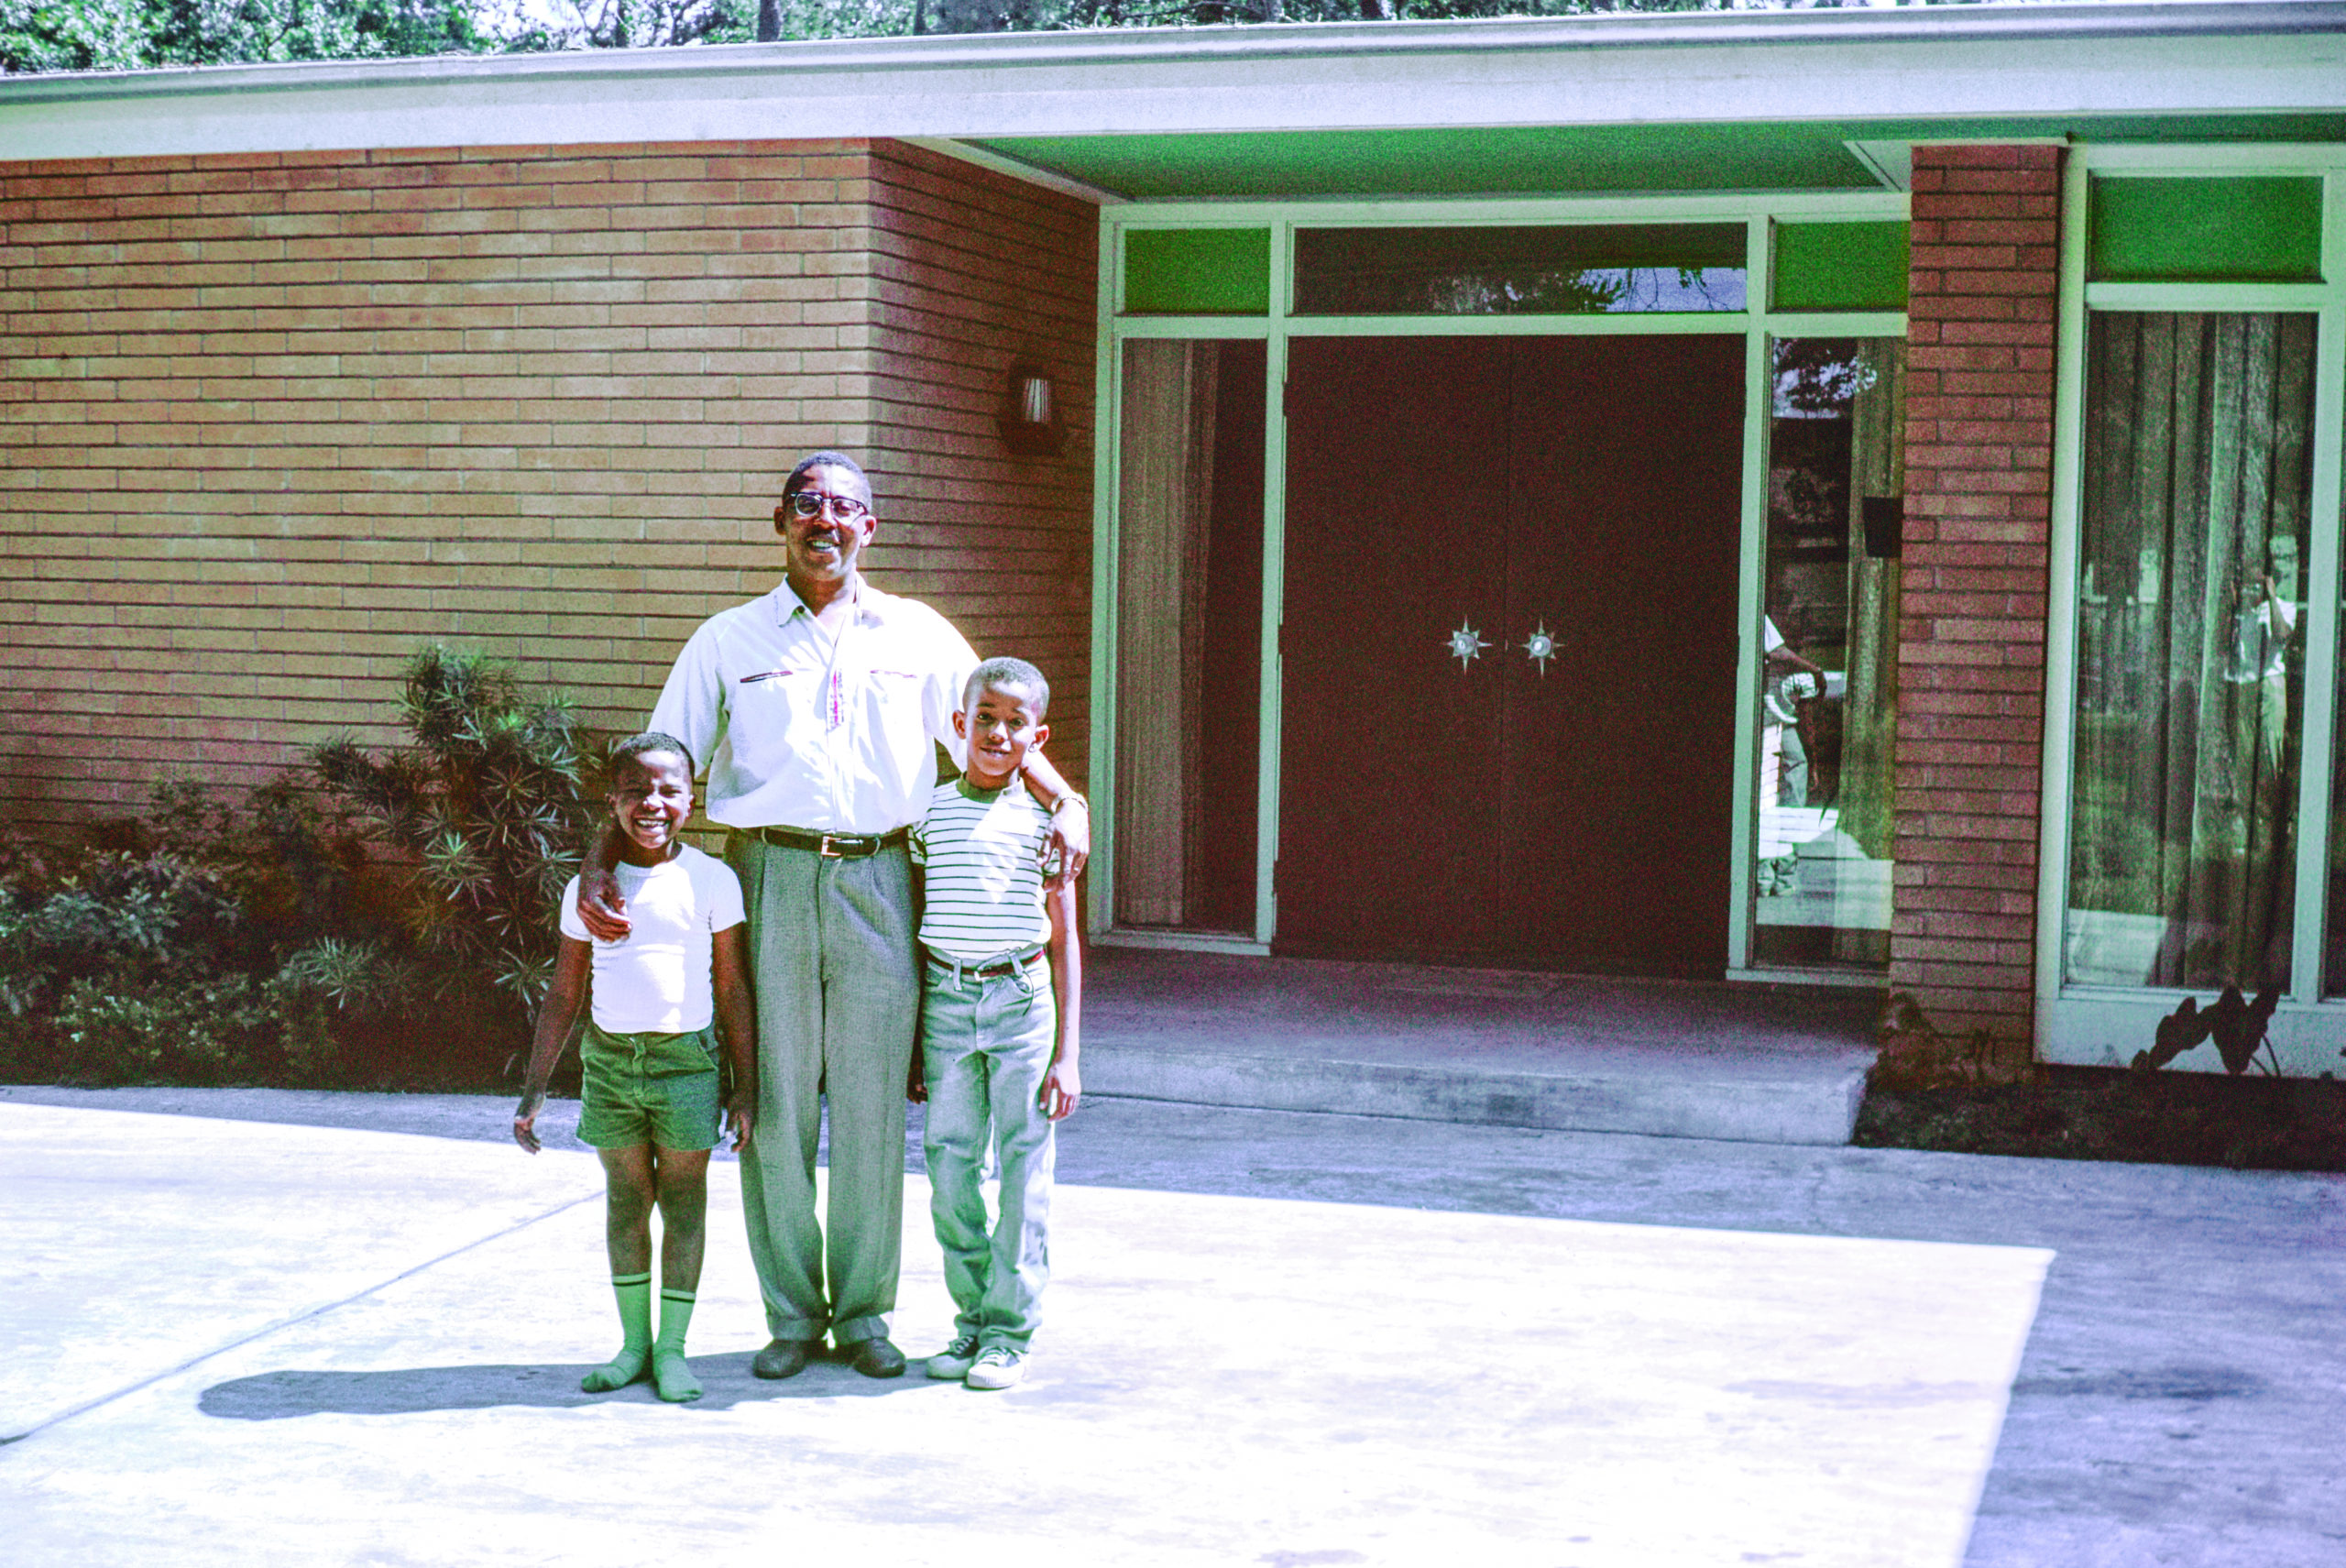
(1501, 1049)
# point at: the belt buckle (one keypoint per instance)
(826, 849)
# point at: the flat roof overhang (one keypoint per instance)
(1675, 102)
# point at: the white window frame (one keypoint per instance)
(2097, 1025)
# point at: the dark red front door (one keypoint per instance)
(1496, 809)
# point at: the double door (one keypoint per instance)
(1509, 649)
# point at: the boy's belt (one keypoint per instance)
(832, 846)
(994, 970)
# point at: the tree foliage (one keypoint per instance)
(129, 35)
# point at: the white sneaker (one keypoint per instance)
(997, 1366)
(953, 1363)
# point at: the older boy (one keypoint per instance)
(650, 1099)
(1000, 1014)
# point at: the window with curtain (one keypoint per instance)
(2190, 670)
(2334, 944)
(1189, 641)
(1828, 637)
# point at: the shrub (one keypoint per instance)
(128, 969)
(489, 800)
(227, 1028)
(203, 943)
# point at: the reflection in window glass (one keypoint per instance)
(1586, 270)
(1829, 667)
(1189, 633)
(2334, 962)
(2190, 682)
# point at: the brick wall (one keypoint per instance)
(1980, 317)
(271, 420)
(974, 273)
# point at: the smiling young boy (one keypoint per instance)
(649, 1106)
(998, 1015)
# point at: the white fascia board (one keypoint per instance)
(2225, 56)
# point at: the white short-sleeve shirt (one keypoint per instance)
(797, 729)
(655, 980)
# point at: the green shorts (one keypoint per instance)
(649, 1089)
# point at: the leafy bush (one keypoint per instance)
(129, 968)
(228, 1028)
(489, 800)
(116, 915)
(394, 926)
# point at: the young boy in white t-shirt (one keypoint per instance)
(649, 1106)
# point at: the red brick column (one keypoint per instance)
(1980, 316)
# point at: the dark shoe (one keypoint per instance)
(874, 1358)
(782, 1358)
(953, 1363)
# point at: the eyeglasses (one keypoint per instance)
(812, 504)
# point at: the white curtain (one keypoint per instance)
(1166, 498)
(2189, 681)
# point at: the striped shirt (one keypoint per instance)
(982, 849)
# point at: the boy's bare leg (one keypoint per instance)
(682, 1177)
(627, 1234)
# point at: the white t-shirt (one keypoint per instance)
(655, 980)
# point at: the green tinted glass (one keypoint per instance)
(1196, 273)
(2170, 230)
(1840, 267)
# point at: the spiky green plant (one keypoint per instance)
(489, 800)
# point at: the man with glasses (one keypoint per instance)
(819, 706)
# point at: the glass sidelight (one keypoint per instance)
(1188, 640)
(1828, 632)
(2191, 689)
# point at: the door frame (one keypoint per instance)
(1758, 322)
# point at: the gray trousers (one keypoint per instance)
(838, 990)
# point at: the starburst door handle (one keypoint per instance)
(1539, 647)
(1466, 645)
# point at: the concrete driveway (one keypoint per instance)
(262, 1327)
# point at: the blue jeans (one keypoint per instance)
(986, 1044)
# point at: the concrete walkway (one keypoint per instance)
(1273, 1338)
(1781, 1064)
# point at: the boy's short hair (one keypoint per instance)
(824, 459)
(1008, 672)
(635, 746)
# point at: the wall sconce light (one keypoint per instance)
(1029, 421)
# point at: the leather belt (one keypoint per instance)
(832, 845)
(994, 970)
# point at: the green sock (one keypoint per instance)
(634, 1291)
(669, 1375)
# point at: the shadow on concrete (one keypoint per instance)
(411, 1390)
(2190, 1383)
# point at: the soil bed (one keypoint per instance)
(2165, 1118)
